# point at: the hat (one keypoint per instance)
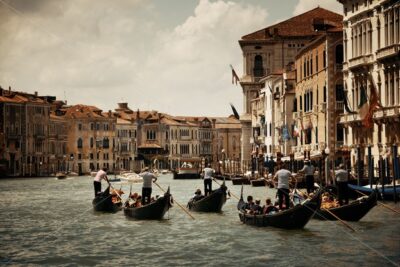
(258, 200)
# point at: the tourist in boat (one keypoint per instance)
(283, 176)
(342, 180)
(308, 171)
(256, 208)
(148, 179)
(249, 204)
(207, 176)
(100, 175)
(268, 208)
(197, 195)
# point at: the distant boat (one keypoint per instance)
(131, 177)
(387, 192)
(61, 175)
(187, 171)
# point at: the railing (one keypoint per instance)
(340, 106)
(360, 61)
(388, 51)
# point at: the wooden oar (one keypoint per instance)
(187, 212)
(343, 222)
(380, 203)
(229, 191)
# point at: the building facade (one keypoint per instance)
(372, 67)
(268, 51)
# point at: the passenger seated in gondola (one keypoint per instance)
(197, 195)
(249, 204)
(256, 208)
(116, 195)
(138, 202)
(269, 208)
(328, 201)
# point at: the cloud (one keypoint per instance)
(305, 5)
(106, 52)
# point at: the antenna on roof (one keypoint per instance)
(65, 96)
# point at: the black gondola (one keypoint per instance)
(152, 211)
(211, 203)
(293, 218)
(103, 202)
(353, 211)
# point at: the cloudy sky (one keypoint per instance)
(167, 55)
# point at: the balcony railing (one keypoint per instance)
(340, 106)
(360, 61)
(388, 52)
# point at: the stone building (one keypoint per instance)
(25, 124)
(58, 139)
(371, 32)
(319, 95)
(125, 145)
(269, 50)
(91, 138)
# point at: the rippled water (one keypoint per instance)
(50, 222)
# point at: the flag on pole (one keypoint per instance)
(235, 77)
(374, 104)
(296, 131)
(363, 106)
(235, 113)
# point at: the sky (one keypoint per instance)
(172, 56)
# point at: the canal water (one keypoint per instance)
(44, 221)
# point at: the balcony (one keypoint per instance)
(339, 106)
(360, 61)
(345, 66)
(387, 112)
(388, 52)
(349, 118)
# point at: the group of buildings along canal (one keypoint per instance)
(320, 85)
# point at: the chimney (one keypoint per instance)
(109, 114)
(9, 89)
(36, 94)
(123, 105)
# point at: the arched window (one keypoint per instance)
(339, 54)
(80, 143)
(258, 70)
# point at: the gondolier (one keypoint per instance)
(208, 173)
(100, 175)
(342, 180)
(283, 176)
(148, 179)
(308, 171)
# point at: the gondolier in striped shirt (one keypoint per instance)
(207, 176)
(100, 175)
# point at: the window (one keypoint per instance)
(79, 127)
(80, 143)
(258, 70)
(324, 59)
(92, 126)
(91, 142)
(106, 142)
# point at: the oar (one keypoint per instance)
(229, 191)
(187, 212)
(343, 222)
(380, 203)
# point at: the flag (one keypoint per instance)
(363, 107)
(235, 77)
(374, 104)
(296, 131)
(303, 130)
(235, 113)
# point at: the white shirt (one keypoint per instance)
(283, 178)
(342, 175)
(100, 175)
(208, 172)
(308, 170)
(147, 179)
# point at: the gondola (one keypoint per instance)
(240, 180)
(293, 218)
(103, 202)
(353, 211)
(222, 177)
(258, 182)
(210, 203)
(152, 211)
(385, 193)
